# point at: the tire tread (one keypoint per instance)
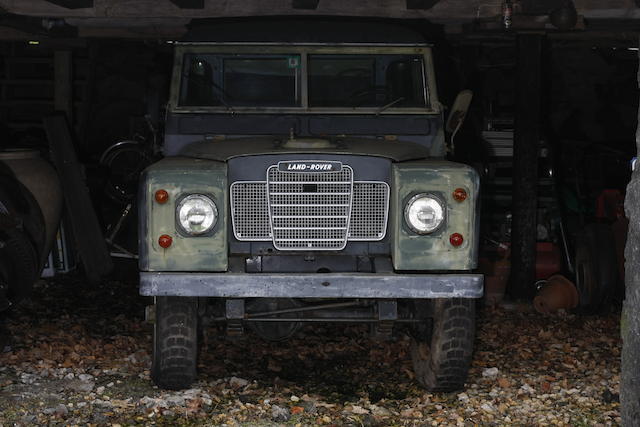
(175, 342)
(450, 346)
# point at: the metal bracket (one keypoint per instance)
(234, 313)
(150, 314)
(387, 315)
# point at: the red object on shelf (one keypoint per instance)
(610, 205)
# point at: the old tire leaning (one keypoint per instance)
(19, 267)
(596, 267)
(441, 354)
(175, 342)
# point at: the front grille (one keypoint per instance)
(369, 213)
(250, 211)
(309, 211)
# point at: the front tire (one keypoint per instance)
(175, 342)
(441, 354)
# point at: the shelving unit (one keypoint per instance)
(28, 83)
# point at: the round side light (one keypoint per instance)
(456, 239)
(459, 195)
(162, 196)
(165, 241)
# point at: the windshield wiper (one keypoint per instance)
(221, 92)
(222, 97)
(389, 105)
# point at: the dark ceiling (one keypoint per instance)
(168, 18)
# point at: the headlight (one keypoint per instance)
(197, 214)
(424, 213)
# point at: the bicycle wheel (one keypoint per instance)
(124, 163)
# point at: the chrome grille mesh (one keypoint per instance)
(250, 211)
(309, 211)
(369, 213)
(291, 194)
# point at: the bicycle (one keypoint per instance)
(125, 160)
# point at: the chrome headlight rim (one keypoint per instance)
(413, 199)
(191, 196)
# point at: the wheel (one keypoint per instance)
(17, 202)
(596, 267)
(175, 342)
(441, 352)
(19, 267)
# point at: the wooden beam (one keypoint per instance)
(189, 4)
(73, 4)
(27, 24)
(421, 4)
(538, 7)
(525, 165)
(63, 82)
(87, 232)
(630, 322)
(305, 4)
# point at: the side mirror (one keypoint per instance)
(458, 112)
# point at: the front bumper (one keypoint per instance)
(332, 285)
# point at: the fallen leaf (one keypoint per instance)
(504, 383)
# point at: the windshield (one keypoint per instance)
(380, 81)
(240, 80)
(366, 81)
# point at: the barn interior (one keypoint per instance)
(551, 131)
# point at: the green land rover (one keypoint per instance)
(305, 180)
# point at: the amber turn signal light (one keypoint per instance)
(456, 239)
(162, 196)
(165, 241)
(459, 195)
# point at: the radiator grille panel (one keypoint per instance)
(309, 211)
(292, 198)
(250, 211)
(370, 208)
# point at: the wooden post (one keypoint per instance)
(630, 323)
(63, 87)
(525, 165)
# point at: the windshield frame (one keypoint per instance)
(430, 93)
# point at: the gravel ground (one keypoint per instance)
(81, 356)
